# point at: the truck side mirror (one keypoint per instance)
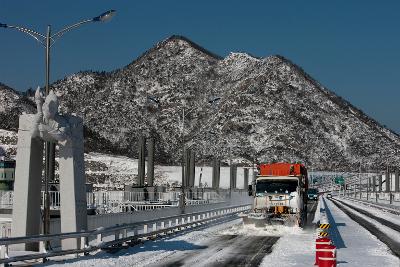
(250, 189)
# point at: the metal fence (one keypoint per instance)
(117, 201)
(103, 238)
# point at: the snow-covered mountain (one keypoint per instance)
(12, 104)
(269, 109)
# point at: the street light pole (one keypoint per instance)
(185, 181)
(47, 41)
(49, 148)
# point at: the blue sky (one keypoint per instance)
(351, 47)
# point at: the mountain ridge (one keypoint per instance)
(270, 108)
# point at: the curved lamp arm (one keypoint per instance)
(37, 36)
(42, 38)
(58, 34)
(106, 16)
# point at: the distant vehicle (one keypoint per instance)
(279, 195)
(329, 195)
(312, 194)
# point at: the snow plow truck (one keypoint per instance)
(279, 195)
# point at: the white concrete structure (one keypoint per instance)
(67, 131)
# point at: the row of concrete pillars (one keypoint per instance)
(216, 175)
(387, 182)
(391, 182)
(189, 173)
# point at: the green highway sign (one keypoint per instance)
(339, 180)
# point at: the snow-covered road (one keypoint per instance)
(230, 243)
(226, 243)
(355, 245)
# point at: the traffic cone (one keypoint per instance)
(319, 242)
(327, 256)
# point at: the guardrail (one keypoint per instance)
(382, 206)
(98, 239)
(387, 198)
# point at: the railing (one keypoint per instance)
(100, 238)
(6, 199)
(5, 228)
(390, 198)
(115, 201)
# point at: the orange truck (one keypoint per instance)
(280, 195)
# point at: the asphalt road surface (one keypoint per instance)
(231, 249)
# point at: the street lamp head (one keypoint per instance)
(2, 25)
(214, 99)
(153, 99)
(106, 16)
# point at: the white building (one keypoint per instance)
(7, 173)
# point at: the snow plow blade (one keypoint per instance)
(262, 220)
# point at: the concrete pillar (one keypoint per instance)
(218, 170)
(233, 176)
(374, 184)
(380, 183)
(150, 161)
(27, 185)
(73, 208)
(387, 183)
(246, 178)
(369, 185)
(192, 170)
(396, 180)
(360, 183)
(187, 167)
(141, 160)
(27, 192)
(216, 173)
(236, 176)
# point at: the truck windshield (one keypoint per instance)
(276, 186)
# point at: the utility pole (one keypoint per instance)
(359, 180)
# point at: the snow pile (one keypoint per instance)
(374, 210)
(317, 215)
(295, 249)
(269, 230)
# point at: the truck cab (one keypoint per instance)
(280, 194)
